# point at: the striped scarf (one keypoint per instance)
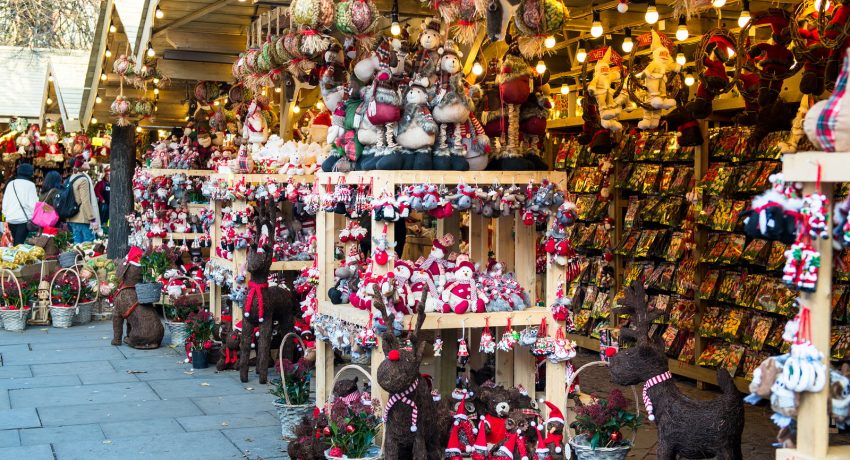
(403, 397)
(649, 384)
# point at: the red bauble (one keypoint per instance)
(349, 429)
(616, 436)
(327, 431)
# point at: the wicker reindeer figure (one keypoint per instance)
(410, 411)
(265, 305)
(686, 427)
(144, 329)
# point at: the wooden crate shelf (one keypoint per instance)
(156, 172)
(440, 177)
(438, 321)
(280, 266)
(281, 179)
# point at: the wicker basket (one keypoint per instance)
(374, 453)
(178, 330)
(148, 292)
(12, 317)
(63, 315)
(289, 414)
(84, 313)
(102, 311)
(377, 451)
(581, 445)
(68, 259)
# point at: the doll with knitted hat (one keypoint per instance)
(600, 88)
(426, 56)
(465, 430)
(451, 105)
(655, 75)
(554, 439)
(436, 264)
(416, 132)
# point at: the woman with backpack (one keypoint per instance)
(86, 221)
(19, 202)
(50, 187)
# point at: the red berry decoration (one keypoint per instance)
(349, 429)
(609, 353)
(327, 431)
(336, 452)
(616, 436)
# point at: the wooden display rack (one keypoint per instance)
(239, 256)
(812, 413)
(193, 207)
(514, 244)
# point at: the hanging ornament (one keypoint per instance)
(508, 340)
(544, 345)
(121, 108)
(358, 19)
(466, 28)
(312, 16)
(487, 344)
(535, 20)
(438, 345)
(462, 352)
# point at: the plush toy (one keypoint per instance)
(532, 125)
(256, 129)
(835, 33)
(230, 339)
(426, 58)
(495, 407)
(655, 76)
(713, 78)
(772, 59)
(554, 439)
(463, 293)
(384, 109)
(514, 82)
(825, 120)
(436, 264)
(599, 87)
(416, 131)
(451, 106)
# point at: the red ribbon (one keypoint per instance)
(687, 124)
(255, 289)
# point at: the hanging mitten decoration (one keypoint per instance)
(487, 344)
(544, 345)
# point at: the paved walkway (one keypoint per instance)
(68, 394)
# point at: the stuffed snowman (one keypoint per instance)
(463, 293)
(451, 106)
(655, 75)
(417, 130)
(256, 129)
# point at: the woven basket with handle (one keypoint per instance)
(290, 414)
(178, 330)
(63, 316)
(13, 317)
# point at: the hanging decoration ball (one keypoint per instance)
(311, 16)
(207, 91)
(465, 29)
(535, 20)
(121, 65)
(616, 436)
(142, 108)
(358, 19)
(121, 108)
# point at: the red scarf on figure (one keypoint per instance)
(231, 356)
(255, 289)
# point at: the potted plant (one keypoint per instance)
(599, 428)
(154, 264)
(64, 297)
(176, 315)
(292, 391)
(352, 428)
(200, 325)
(14, 305)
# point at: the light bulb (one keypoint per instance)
(103, 76)
(138, 129)
(549, 43)
(112, 28)
(818, 5)
(689, 80)
(98, 100)
(477, 69)
(628, 45)
(296, 109)
(682, 30)
(93, 120)
(49, 101)
(50, 78)
(623, 6)
(107, 53)
(159, 13)
(581, 55)
(151, 52)
(320, 105)
(596, 27)
(540, 67)
(651, 15)
(277, 90)
(216, 103)
(187, 118)
(156, 90)
(579, 101)
(395, 29)
(718, 3)
(565, 89)
(745, 17)
(681, 59)
(156, 81)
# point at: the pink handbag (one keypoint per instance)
(44, 215)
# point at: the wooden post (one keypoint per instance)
(325, 376)
(478, 239)
(812, 415)
(525, 255)
(504, 242)
(504, 364)
(122, 164)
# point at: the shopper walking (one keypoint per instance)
(19, 201)
(87, 220)
(101, 190)
(50, 187)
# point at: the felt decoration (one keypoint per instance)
(358, 19)
(462, 352)
(824, 121)
(312, 16)
(509, 338)
(465, 29)
(535, 20)
(121, 108)
(438, 345)
(675, 414)
(711, 58)
(487, 344)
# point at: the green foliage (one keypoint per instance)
(603, 420)
(65, 289)
(353, 427)
(295, 383)
(154, 263)
(12, 299)
(200, 325)
(63, 240)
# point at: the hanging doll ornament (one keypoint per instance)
(804, 369)
(487, 344)
(711, 58)
(462, 350)
(312, 16)
(358, 19)
(509, 338)
(438, 345)
(543, 345)
(609, 103)
(656, 77)
(561, 308)
(514, 80)
(536, 20)
(382, 248)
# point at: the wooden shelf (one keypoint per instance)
(527, 317)
(179, 235)
(677, 367)
(251, 178)
(440, 177)
(280, 266)
(188, 172)
(803, 166)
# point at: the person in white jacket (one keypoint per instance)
(19, 201)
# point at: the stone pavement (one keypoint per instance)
(68, 394)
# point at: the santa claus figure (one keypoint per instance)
(513, 443)
(466, 432)
(480, 449)
(713, 78)
(773, 59)
(463, 293)
(655, 75)
(454, 450)
(436, 263)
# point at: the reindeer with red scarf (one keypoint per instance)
(265, 305)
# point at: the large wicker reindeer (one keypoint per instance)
(687, 427)
(266, 306)
(410, 412)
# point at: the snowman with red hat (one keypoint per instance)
(554, 439)
(463, 293)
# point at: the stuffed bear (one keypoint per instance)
(230, 339)
(417, 130)
(494, 403)
(426, 57)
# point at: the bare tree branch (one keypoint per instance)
(66, 24)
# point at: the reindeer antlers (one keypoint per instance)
(634, 304)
